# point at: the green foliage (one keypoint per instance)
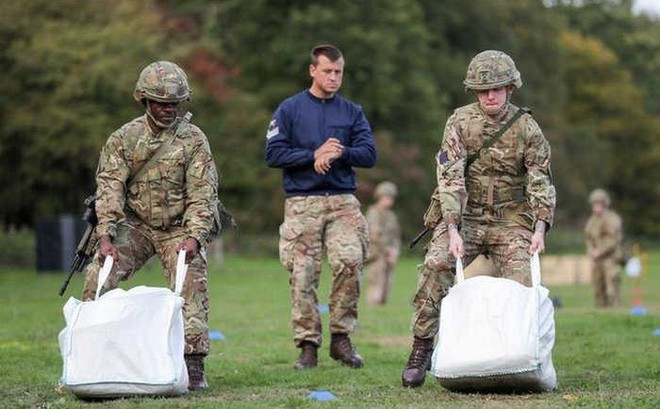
(603, 357)
(17, 249)
(589, 68)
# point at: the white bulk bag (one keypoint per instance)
(496, 335)
(125, 342)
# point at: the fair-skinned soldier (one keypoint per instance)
(501, 204)
(317, 137)
(162, 209)
(604, 236)
(384, 243)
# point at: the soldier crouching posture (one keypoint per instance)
(317, 137)
(157, 191)
(499, 201)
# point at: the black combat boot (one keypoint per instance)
(195, 365)
(308, 356)
(419, 362)
(342, 350)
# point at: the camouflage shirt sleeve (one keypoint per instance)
(201, 190)
(111, 175)
(451, 171)
(540, 189)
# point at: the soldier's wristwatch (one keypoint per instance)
(452, 226)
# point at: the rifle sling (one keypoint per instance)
(490, 142)
(159, 152)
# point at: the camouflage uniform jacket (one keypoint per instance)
(604, 234)
(511, 179)
(180, 190)
(384, 231)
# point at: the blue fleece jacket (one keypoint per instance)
(300, 125)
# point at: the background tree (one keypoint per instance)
(589, 68)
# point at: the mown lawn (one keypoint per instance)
(603, 358)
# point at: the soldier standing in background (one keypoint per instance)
(384, 243)
(496, 200)
(157, 194)
(317, 138)
(604, 237)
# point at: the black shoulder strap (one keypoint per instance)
(490, 142)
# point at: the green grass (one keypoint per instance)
(603, 358)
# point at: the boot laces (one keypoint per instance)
(419, 355)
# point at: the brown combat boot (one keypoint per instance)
(342, 350)
(195, 365)
(418, 363)
(308, 356)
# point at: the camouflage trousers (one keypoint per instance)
(506, 243)
(380, 271)
(606, 279)
(137, 243)
(312, 225)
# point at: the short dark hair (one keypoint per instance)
(331, 52)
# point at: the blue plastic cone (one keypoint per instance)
(216, 336)
(321, 395)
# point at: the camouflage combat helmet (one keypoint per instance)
(491, 69)
(601, 196)
(385, 189)
(162, 81)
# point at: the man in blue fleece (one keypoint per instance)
(317, 137)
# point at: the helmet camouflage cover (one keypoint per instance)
(599, 196)
(491, 69)
(385, 189)
(162, 81)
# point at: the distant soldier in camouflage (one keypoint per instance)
(317, 138)
(604, 236)
(384, 243)
(157, 193)
(501, 205)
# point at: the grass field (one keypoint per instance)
(603, 358)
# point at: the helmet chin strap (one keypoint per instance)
(155, 121)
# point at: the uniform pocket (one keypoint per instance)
(290, 232)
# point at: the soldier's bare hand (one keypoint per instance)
(538, 238)
(190, 246)
(455, 243)
(323, 163)
(331, 146)
(106, 248)
(537, 242)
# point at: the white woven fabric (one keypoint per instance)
(125, 342)
(496, 334)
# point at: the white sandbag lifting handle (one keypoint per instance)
(181, 271)
(103, 274)
(535, 267)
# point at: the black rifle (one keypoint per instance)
(419, 236)
(85, 248)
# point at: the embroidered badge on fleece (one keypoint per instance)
(273, 129)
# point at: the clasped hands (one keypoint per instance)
(327, 153)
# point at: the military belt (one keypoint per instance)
(487, 196)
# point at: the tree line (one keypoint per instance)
(69, 67)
